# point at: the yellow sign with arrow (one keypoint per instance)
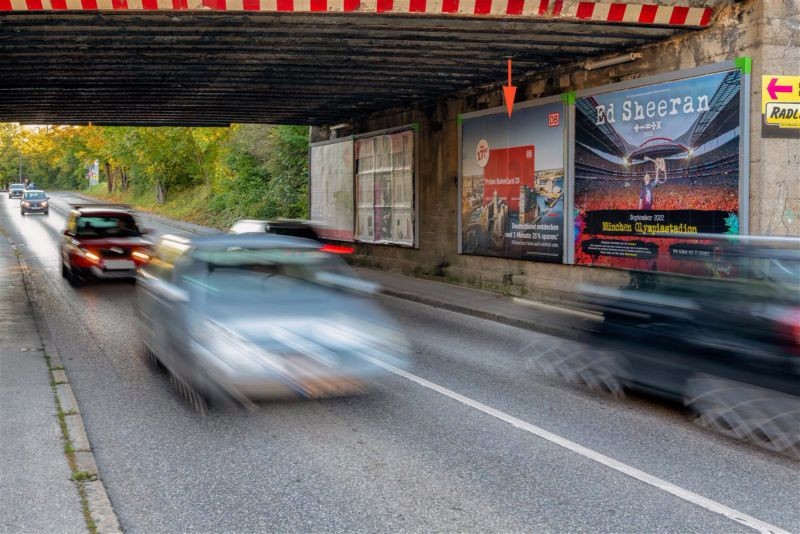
(780, 106)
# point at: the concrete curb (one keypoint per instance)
(97, 501)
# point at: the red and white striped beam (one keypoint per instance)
(629, 13)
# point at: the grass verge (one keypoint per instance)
(77, 476)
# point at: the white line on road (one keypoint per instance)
(694, 498)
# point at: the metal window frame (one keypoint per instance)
(414, 127)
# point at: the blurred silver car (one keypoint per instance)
(259, 316)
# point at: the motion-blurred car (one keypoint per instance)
(16, 190)
(102, 242)
(256, 316)
(727, 346)
(34, 201)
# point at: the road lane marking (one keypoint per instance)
(677, 491)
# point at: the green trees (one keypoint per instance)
(225, 173)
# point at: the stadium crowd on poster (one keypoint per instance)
(331, 189)
(362, 188)
(512, 182)
(655, 165)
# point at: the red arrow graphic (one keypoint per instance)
(773, 88)
(509, 92)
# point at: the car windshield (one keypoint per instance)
(35, 195)
(107, 226)
(301, 263)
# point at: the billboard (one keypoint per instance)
(331, 195)
(512, 183)
(653, 164)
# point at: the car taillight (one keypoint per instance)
(791, 322)
(140, 256)
(336, 249)
(92, 256)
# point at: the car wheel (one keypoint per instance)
(64, 271)
(21, 212)
(152, 360)
(601, 371)
(196, 399)
(769, 419)
(74, 279)
(47, 212)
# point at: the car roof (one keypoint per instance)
(23, 185)
(102, 211)
(34, 191)
(275, 222)
(221, 241)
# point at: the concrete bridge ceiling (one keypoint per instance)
(214, 67)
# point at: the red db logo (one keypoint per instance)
(553, 119)
(482, 153)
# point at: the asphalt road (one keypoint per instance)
(405, 458)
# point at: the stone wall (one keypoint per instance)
(768, 31)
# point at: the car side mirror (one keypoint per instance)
(145, 230)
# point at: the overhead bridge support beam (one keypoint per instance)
(622, 12)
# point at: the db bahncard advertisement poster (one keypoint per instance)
(512, 184)
(654, 164)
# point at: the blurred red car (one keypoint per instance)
(102, 242)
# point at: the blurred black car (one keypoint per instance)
(727, 347)
(287, 227)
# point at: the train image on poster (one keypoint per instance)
(654, 164)
(512, 184)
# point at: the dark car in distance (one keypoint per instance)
(102, 242)
(34, 201)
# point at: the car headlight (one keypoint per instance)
(25, 204)
(232, 349)
(44, 203)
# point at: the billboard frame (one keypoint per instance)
(566, 113)
(743, 65)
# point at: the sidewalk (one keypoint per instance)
(515, 311)
(36, 493)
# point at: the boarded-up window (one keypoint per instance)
(385, 188)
